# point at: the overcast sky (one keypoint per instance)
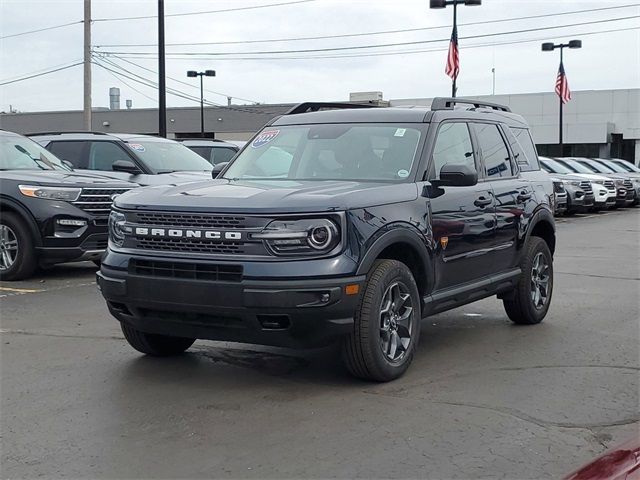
(606, 61)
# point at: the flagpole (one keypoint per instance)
(455, 28)
(560, 99)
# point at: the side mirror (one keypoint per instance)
(453, 175)
(67, 163)
(217, 169)
(125, 166)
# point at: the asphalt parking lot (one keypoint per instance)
(483, 398)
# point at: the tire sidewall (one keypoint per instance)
(401, 273)
(25, 260)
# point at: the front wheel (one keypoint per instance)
(155, 345)
(386, 324)
(17, 252)
(530, 300)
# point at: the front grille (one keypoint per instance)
(95, 242)
(191, 220)
(192, 271)
(609, 184)
(189, 245)
(97, 201)
(586, 186)
(558, 187)
(203, 319)
(628, 185)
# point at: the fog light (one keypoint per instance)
(69, 222)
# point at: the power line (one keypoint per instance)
(383, 45)
(40, 29)
(236, 9)
(397, 52)
(182, 82)
(362, 34)
(127, 84)
(40, 74)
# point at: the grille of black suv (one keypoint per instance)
(97, 201)
(609, 184)
(191, 220)
(194, 271)
(189, 245)
(628, 185)
(586, 186)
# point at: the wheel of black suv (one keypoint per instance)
(386, 324)
(155, 345)
(532, 297)
(17, 253)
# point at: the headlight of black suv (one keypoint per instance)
(118, 228)
(313, 236)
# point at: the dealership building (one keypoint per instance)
(597, 123)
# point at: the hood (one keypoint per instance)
(277, 196)
(59, 177)
(146, 179)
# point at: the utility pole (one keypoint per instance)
(162, 87)
(86, 118)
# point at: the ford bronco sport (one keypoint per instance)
(338, 222)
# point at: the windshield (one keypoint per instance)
(595, 167)
(554, 167)
(21, 153)
(613, 166)
(628, 166)
(354, 152)
(165, 157)
(575, 167)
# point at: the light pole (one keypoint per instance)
(549, 47)
(454, 37)
(206, 73)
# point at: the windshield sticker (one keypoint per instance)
(264, 138)
(400, 132)
(403, 173)
(137, 147)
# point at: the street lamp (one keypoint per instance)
(455, 3)
(549, 47)
(206, 73)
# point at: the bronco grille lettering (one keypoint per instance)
(187, 233)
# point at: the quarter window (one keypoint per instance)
(453, 145)
(102, 155)
(524, 150)
(497, 162)
(69, 151)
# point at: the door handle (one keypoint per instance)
(524, 195)
(482, 202)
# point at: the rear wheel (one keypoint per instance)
(531, 298)
(155, 345)
(386, 324)
(17, 252)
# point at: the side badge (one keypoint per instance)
(444, 241)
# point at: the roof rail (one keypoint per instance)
(446, 103)
(73, 132)
(316, 106)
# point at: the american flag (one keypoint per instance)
(453, 60)
(562, 86)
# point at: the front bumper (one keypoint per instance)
(286, 313)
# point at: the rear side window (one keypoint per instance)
(102, 155)
(220, 154)
(204, 152)
(524, 150)
(69, 151)
(453, 145)
(497, 162)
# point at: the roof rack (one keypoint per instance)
(73, 132)
(316, 106)
(446, 103)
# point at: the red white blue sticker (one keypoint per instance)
(137, 147)
(264, 138)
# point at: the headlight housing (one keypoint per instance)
(619, 182)
(51, 193)
(118, 228)
(575, 183)
(599, 182)
(310, 237)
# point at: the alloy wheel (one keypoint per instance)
(8, 247)
(539, 281)
(396, 321)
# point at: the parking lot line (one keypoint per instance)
(19, 290)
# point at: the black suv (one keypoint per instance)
(49, 213)
(339, 223)
(142, 159)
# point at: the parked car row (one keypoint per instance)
(56, 189)
(592, 184)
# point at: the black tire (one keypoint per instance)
(24, 261)
(363, 349)
(155, 345)
(520, 306)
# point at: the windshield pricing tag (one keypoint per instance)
(137, 147)
(264, 138)
(400, 132)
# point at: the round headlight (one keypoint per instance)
(320, 237)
